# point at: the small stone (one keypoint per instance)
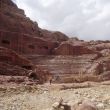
(55, 105)
(45, 92)
(93, 99)
(76, 92)
(61, 108)
(85, 105)
(100, 106)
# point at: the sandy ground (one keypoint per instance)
(41, 97)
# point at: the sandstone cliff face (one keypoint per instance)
(45, 52)
(67, 48)
(13, 19)
(13, 64)
(21, 34)
(54, 36)
(11, 57)
(25, 44)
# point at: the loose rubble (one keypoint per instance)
(51, 97)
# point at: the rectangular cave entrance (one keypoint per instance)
(45, 47)
(31, 46)
(27, 67)
(5, 42)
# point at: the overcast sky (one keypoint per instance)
(87, 19)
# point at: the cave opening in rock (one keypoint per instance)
(5, 42)
(31, 46)
(45, 47)
(33, 76)
(27, 67)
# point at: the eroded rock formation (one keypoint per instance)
(11, 57)
(18, 68)
(67, 48)
(27, 50)
(26, 44)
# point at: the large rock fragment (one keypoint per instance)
(86, 106)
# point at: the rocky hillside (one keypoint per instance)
(16, 68)
(40, 53)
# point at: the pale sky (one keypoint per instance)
(86, 19)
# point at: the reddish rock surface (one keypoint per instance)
(23, 35)
(26, 44)
(11, 57)
(14, 65)
(54, 36)
(31, 52)
(67, 48)
(14, 19)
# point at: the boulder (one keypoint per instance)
(87, 105)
